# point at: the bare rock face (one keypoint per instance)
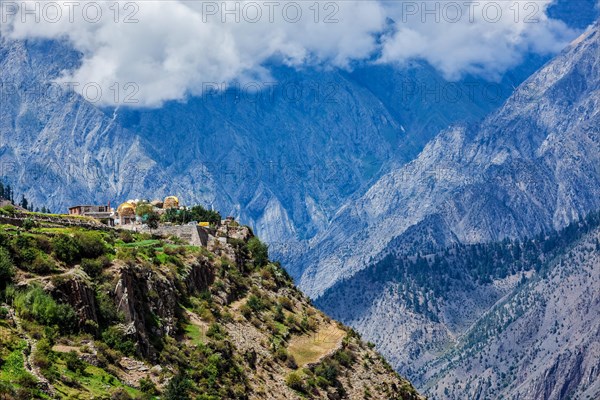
(76, 291)
(200, 276)
(145, 297)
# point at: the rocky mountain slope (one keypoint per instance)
(93, 312)
(530, 166)
(511, 319)
(539, 342)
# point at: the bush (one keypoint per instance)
(40, 306)
(8, 209)
(28, 224)
(126, 236)
(255, 303)
(42, 264)
(246, 311)
(215, 332)
(259, 250)
(286, 303)
(294, 381)
(116, 338)
(93, 267)
(74, 363)
(107, 309)
(148, 387)
(65, 248)
(345, 357)
(7, 268)
(178, 388)
(281, 354)
(90, 244)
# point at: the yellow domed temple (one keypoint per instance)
(126, 213)
(171, 202)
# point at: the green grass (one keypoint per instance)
(94, 382)
(13, 368)
(141, 243)
(195, 334)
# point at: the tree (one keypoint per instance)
(259, 250)
(178, 388)
(143, 209)
(152, 220)
(24, 203)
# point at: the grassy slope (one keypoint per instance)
(208, 323)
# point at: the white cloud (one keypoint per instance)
(178, 47)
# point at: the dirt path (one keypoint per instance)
(28, 354)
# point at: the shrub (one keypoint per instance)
(281, 354)
(215, 332)
(291, 362)
(120, 394)
(294, 381)
(259, 250)
(107, 309)
(74, 363)
(345, 357)
(90, 244)
(8, 209)
(92, 267)
(7, 268)
(286, 303)
(148, 387)
(126, 236)
(255, 303)
(178, 388)
(278, 315)
(65, 248)
(328, 369)
(116, 338)
(246, 311)
(40, 306)
(28, 224)
(42, 264)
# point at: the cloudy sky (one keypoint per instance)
(171, 49)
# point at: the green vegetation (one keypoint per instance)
(7, 268)
(90, 302)
(196, 213)
(36, 305)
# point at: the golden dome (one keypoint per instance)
(126, 209)
(171, 202)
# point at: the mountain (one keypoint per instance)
(432, 264)
(516, 319)
(283, 159)
(528, 167)
(93, 312)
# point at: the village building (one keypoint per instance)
(102, 213)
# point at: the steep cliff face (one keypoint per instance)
(530, 166)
